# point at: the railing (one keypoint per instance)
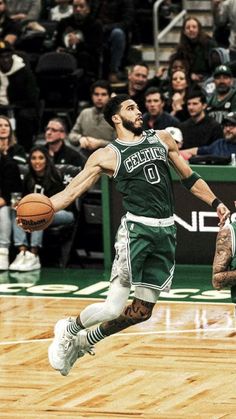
(158, 36)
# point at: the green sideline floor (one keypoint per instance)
(191, 283)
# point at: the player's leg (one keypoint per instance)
(152, 265)
(64, 350)
(138, 311)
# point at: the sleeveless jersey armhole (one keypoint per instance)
(162, 142)
(118, 161)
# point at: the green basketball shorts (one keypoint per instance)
(145, 254)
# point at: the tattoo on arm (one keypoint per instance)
(136, 312)
(222, 276)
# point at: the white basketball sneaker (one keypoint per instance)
(83, 344)
(64, 351)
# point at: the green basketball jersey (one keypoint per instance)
(143, 176)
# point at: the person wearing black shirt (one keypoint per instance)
(60, 153)
(42, 177)
(200, 129)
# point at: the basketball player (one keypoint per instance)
(145, 245)
(224, 264)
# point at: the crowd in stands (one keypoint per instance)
(194, 97)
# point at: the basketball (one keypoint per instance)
(35, 211)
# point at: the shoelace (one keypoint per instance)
(64, 346)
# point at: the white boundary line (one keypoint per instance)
(158, 332)
(102, 299)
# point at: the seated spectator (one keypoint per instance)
(138, 82)
(177, 61)
(10, 182)
(195, 45)
(223, 99)
(19, 93)
(223, 147)
(26, 13)
(44, 178)
(81, 35)
(61, 11)
(117, 18)
(176, 97)
(60, 153)
(177, 135)
(9, 29)
(91, 131)
(217, 56)
(200, 129)
(225, 12)
(8, 142)
(156, 117)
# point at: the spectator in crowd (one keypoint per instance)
(176, 97)
(139, 82)
(217, 57)
(224, 264)
(176, 133)
(156, 117)
(117, 18)
(223, 99)
(200, 129)
(81, 35)
(44, 178)
(55, 136)
(223, 147)
(62, 10)
(225, 12)
(26, 13)
(195, 45)
(19, 92)
(9, 29)
(178, 61)
(8, 142)
(91, 131)
(10, 182)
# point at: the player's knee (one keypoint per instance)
(143, 317)
(138, 315)
(112, 312)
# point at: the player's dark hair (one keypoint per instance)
(113, 107)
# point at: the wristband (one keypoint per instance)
(189, 181)
(215, 203)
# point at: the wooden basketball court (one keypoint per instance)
(179, 364)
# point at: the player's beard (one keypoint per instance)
(130, 127)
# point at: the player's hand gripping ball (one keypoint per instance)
(35, 212)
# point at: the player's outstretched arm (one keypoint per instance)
(101, 161)
(221, 276)
(193, 182)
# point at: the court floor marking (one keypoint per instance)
(164, 301)
(157, 332)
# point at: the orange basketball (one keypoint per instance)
(35, 211)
